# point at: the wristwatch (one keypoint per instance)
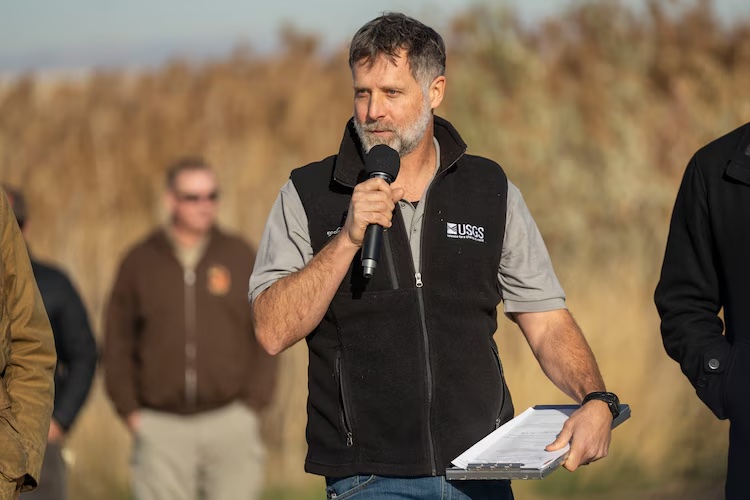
(608, 397)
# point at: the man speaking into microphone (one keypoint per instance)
(383, 162)
(404, 374)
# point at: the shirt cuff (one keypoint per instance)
(260, 289)
(516, 306)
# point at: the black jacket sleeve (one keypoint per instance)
(688, 296)
(77, 355)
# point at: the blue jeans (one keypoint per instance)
(415, 488)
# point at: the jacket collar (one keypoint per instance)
(739, 166)
(349, 167)
(161, 240)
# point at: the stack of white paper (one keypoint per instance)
(520, 443)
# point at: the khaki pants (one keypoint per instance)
(214, 455)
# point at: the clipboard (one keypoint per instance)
(476, 470)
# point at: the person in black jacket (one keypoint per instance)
(706, 269)
(76, 361)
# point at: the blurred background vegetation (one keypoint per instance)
(593, 114)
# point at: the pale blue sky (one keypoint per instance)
(53, 34)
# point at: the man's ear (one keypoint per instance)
(436, 91)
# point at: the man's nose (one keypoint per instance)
(375, 108)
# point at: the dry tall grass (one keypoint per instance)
(593, 115)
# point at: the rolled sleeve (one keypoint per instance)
(526, 276)
(285, 247)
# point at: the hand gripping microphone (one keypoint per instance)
(382, 162)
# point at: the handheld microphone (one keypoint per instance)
(383, 162)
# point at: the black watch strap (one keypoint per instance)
(610, 398)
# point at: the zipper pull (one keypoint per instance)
(418, 277)
(349, 440)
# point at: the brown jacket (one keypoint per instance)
(183, 342)
(27, 360)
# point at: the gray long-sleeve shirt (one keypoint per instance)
(525, 272)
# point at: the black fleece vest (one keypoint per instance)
(403, 377)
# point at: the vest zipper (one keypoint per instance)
(344, 407)
(191, 351)
(425, 338)
(420, 300)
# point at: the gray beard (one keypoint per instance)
(404, 141)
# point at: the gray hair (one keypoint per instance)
(392, 32)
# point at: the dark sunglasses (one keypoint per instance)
(196, 198)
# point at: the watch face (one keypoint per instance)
(614, 405)
(611, 399)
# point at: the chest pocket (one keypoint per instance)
(393, 268)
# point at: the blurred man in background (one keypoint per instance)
(76, 360)
(404, 373)
(182, 365)
(707, 268)
(27, 364)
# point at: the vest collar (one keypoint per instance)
(349, 167)
(739, 166)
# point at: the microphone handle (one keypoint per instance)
(373, 238)
(371, 249)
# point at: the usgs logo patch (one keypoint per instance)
(464, 231)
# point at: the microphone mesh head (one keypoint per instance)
(382, 158)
